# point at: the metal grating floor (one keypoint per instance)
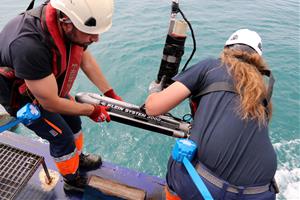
(16, 168)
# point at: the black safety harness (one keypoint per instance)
(17, 86)
(228, 87)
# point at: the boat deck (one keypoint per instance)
(153, 186)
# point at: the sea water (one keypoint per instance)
(129, 55)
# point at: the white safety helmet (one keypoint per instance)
(247, 37)
(88, 16)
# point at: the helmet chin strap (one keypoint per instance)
(269, 74)
(69, 39)
(65, 20)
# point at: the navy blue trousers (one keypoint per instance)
(60, 143)
(181, 183)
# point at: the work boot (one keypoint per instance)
(89, 162)
(76, 183)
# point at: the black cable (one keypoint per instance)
(193, 37)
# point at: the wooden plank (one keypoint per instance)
(115, 189)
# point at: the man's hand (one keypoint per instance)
(111, 93)
(99, 114)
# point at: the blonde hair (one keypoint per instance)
(246, 68)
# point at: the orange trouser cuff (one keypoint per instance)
(68, 166)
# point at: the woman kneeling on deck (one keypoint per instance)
(231, 108)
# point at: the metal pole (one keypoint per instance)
(46, 171)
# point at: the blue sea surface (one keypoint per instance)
(130, 53)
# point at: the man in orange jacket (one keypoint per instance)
(41, 52)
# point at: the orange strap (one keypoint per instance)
(170, 195)
(79, 141)
(53, 126)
